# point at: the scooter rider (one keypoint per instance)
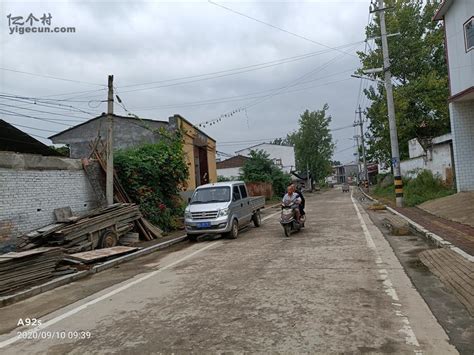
(303, 201)
(292, 199)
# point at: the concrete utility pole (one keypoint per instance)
(109, 181)
(364, 159)
(391, 108)
(359, 169)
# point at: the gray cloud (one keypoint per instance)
(152, 41)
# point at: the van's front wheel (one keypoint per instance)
(234, 231)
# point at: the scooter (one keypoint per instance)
(288, 220)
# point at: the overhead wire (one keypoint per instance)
(12, 113)
(228, 72)
(266, 97)
(279, 28)
(40, 102)
(50, 77)
(42, 111)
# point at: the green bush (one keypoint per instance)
(259, 168)
(423, 188)
(153, 175)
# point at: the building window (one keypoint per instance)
(469, 34)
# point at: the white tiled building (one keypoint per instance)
(458, 18)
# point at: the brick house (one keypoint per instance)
(458, 19)
(231, 168)
(199, 148)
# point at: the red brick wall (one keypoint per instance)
(260, 189)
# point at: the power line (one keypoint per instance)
(266, 97)
(279, 28)
(343, 150)
(229, 72)
(50, 77)
(12, 113)
(263, 140)
(39, 102)
(41, 111)
(315, 70)
(38, 129)
(248, 96)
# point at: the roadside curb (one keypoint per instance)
(66, 279)
(432, 237)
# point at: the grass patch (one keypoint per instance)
(423, 188)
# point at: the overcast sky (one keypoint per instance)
(171, 45)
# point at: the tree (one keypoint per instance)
(418, 67)
(260, 168)
(313, 143)
(153, 175)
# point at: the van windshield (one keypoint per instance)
(211, 194)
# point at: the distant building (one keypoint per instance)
(346, 173)
(200, 149)
(283, 156)
(437, 158)
(458, 18)
(231, 168)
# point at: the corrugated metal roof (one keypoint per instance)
(14, 140)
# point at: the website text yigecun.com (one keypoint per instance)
(22, 30)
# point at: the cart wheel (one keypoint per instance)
(108, 239)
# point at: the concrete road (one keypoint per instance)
(336, 287)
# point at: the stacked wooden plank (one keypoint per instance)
(85, 232)
(147, 230)
(22, 269)
(93, 256)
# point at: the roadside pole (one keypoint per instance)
(391, 108)
(364, 159)
(110, 149)
(359, 169)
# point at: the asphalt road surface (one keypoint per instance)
(335, 287)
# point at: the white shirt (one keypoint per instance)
(293, 199)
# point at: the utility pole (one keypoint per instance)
(359, 169)
(109, 181)
(391, 108)
(364, 159)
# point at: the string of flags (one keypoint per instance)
(214, 121)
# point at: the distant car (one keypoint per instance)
(345, 187)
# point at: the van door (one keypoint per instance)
(246, 209)
(237, 204)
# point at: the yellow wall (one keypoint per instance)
(211, 160)
(189, 152)
(190, 132)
